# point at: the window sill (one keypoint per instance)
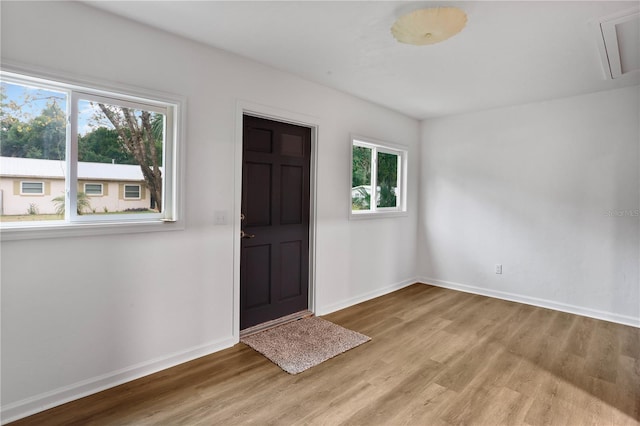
(377, 215)
(65, 229)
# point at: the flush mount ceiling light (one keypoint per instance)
(429, 26)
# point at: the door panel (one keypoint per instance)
(259, 140)
(291, 255)
(258, 261)
(292, 145)
(274, 266)
(257, 208)
(291, 194)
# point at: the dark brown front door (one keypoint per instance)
(274, 265)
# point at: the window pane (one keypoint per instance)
(361, 179)
(93, 189)
(131, 191)
(32, 187)
(387, 180)
(33, 138)
(123, 146)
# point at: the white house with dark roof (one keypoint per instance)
(27, 182)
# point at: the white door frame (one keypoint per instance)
(276, 114)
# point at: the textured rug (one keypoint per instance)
(305, 343)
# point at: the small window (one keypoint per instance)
(93, 189)
(132, 192)
(32, 188)
(378, 176)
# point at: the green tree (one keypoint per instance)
(42, 137)
(361, 166)
(102, 145)
(361, 177)
(14, 134)
(48, 132)
(22, 135)
(387, 179)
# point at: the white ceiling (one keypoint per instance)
(509, 53)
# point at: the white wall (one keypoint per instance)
(531, 187)
(161, 298)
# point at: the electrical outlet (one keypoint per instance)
(498, 269)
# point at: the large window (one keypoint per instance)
(107, 157)
(378, 176)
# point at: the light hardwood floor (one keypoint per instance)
(437, 357)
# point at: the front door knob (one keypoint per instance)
(245, 235)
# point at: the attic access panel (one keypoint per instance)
(619, 43)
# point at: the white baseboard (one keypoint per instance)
(543, 303)
(324, 310)
(44, 401)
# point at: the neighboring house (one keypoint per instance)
(110, 187)
(358, 192)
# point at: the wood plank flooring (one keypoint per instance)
(437, 357)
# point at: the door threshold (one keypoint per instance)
(275, 323)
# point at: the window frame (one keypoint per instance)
(36, 194)
(124, 191)
(173, 157)
(376, 147)
(101, 194)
